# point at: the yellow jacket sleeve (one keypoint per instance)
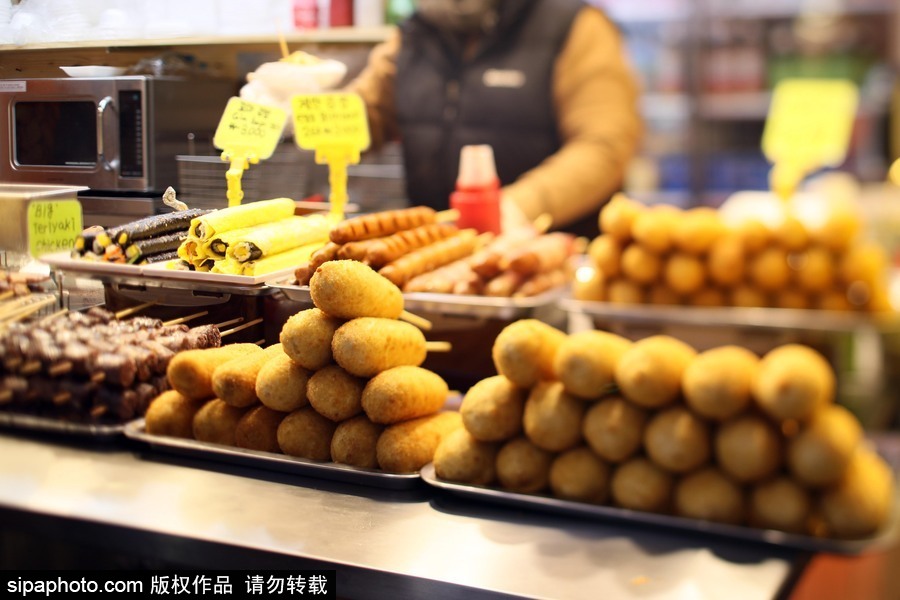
(375, 84)
(596, 99)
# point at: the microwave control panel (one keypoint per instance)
(131, 140)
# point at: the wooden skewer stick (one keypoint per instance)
(27, 310)
(6, 396)
(61, 398)
(127, 312)
(420, 322)
(16, 305)
(444, 216)
(60, 368)
(282, 43)
(231, 322)
(53, 315)
(180, 320)
(543, 222)
(438, 346)
(6, 294)
(30, 368)
(242, 327)
(260, 342)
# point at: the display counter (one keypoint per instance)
(422, 543)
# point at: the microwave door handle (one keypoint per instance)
(101, 111)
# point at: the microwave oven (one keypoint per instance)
(115, 134)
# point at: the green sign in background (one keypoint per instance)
(53, 226)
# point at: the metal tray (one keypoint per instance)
(452, 304)
(35, 424)
(270, 461)
(761, 318)
(611, 513)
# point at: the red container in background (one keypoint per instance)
(341, 13)
(306, 14)
(477, 195)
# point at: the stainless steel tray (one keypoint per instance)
(598, 512)
(453, 304)
(33, 423)
(270, 461)
(761, 318)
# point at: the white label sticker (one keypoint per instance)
(12, 86)
(507, 78)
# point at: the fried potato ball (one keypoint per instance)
(403, 393)
(235, 381)
(641, 485)
(281, 384)
(726, 260)
(697, 230)
(306, 337)
(216, 421)
(684, 273)
(605, 252)
(623, 291)
(349, 289)
(717, 383)
(614, 428)
(662, 294)
(708, 296)
(408, 446)
(460, 457)
(867, 263)
(492, 409)
(748, 296)
(769, 269)
(840, 229)
(617, 217)
(578, 474)
(354, 442)
(649, 372)
(523, 467)
(791, 234)
(640, 265)
(860, 504)
(748, 448)
(710, 496)
(817, 270)
(171, 414)
(792, 382)
(754, 235)
(653, 228)
(335, 394)
(552, 418)
(834, 299)
(524, 351)
(190, 372)
(790, 297)
(586, 362)
(589, 284)
(677, 440)
(818, 456)
(306, 434)
(780, 503)
(258, 429)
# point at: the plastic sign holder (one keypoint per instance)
(334, 125)
(247, 133)
(808, 127)
(53, 225)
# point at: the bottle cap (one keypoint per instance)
(476, 167)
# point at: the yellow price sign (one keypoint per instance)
(335, 120)
(250, 129)
(53, 225)
(808, 127)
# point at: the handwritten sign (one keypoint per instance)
(337, 120)
(250, 129)
(53, 226)
(810, 122)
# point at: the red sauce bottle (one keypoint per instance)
(477, 195)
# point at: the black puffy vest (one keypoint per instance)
(501, 96)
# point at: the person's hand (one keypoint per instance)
(511, 216)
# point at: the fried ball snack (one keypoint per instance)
(860, 504)
(403, 393)
(281, 384)
(793, 381)
(347, 289)
(769, 269)
(614, 428)
(641, 485)
(818, 456)
(306, 434)
(354, 442)
(710, 496)
(707, 296)
(523, 467)
(586, 362)
(306, 337)
(697, 230)
(190, 372)
(234, 382)
(748, 296)
(171, 414)
(677, 440)
(335, 394)
(623, 291)
(579, 474)
(649, 373)
(866, 262)
(492, 409)
(755, 235)
(524, 351)
(552, 418)
(640, 265)
(662, 294)
(790, 297)
(684, 273)
(618, 216)
(748, 449)
(834, 299)
(653, 227)
(726, 260)
(460, 457)
(605, 252)
(216, 422)
(408, 446)
(589, 284)
(258, 429)
(780, 503)
(369, 345)
(717, 383)
(791, 234)
(817, 272)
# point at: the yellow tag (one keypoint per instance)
(894, 173)
(249, 129)
(810, 122)
(337, 120)
(53, 225)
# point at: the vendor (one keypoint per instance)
(544, 82)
